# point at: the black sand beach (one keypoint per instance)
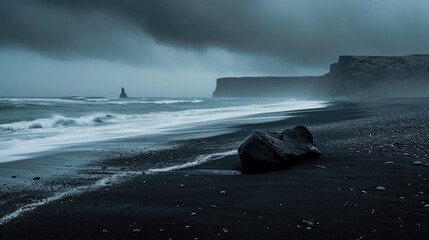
(333, 197)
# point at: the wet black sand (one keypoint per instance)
(336, 193)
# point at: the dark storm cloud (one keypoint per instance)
(302, 32)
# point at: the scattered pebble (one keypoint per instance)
(417, 163)
(213, 206)
(222, 192)
(182, 185)
(426, 206)
(363, 192)
(224, 230)
(388, 162)
(36, 178)
(136, 231)
(307, 222)
(104, 231)
(308, 228)
(13, 176)
(380, 188)
(193, 214)
(161, 230)
(323, 167)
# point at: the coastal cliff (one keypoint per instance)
(351, 76)
(380, 76)
(268, 87)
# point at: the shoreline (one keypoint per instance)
(275, 204)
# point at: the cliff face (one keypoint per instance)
(351, 76)
(294, 87)
(379, 76)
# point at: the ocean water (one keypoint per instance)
(48, 138)
(30, 127)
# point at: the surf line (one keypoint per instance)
(108, 181)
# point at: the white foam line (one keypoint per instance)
(200, 160)
(74, 191)
(109, 181)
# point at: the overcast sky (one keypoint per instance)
(179, 48)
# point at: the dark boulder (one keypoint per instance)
(267, 151)
(123, 94)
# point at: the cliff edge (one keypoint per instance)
(351, 76)
(267, 87)
(379, 76)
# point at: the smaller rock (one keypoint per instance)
(161, 230)
(13, 176)
(213, 206)
(224, 230)
(380, 188)
(36, 178)
(388, 162)
(222, 192)
(182, 185)
(308, 228)
(426, 206)
(136, 231)
(104, 231)
(193, 214)
(418, 163)
(307, 222)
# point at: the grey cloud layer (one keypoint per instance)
(302, 32)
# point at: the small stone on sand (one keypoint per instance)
(417, 163)
(222, 192)
(307, 222)
(380, 188)
(213, 206)
(136, 231)
(426, 206)
(388, 162)
(36, 178)
(104, 231)
(182, 185)
(193, 214)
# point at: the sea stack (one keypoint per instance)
(123, 94)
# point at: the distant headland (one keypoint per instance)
(351, 76)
